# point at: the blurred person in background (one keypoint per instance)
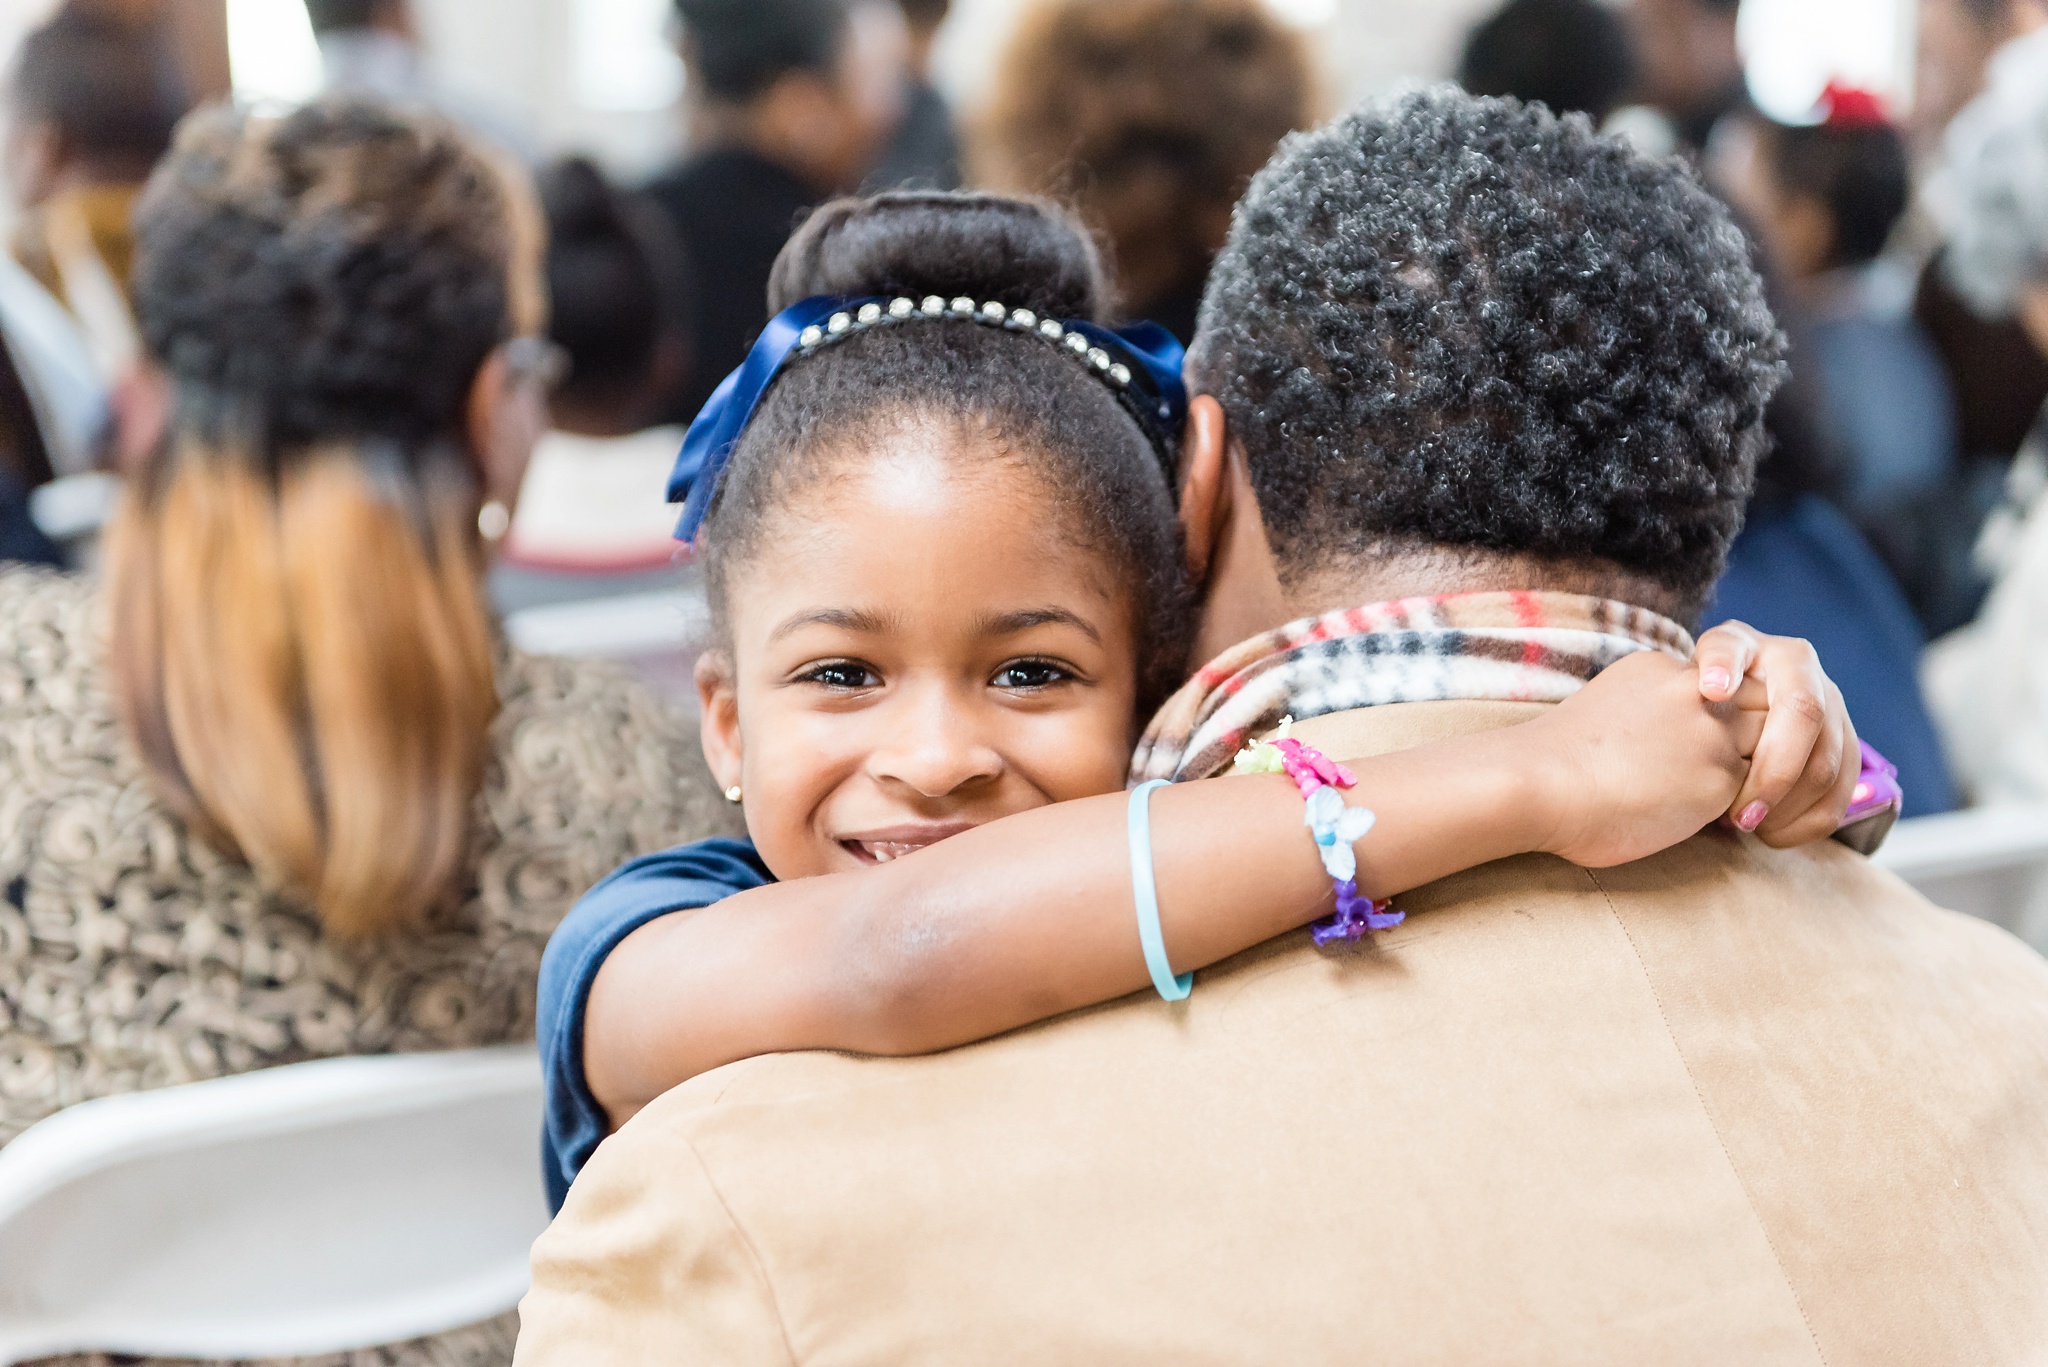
(1862, 421)
(95, 96)
(595, 498)
(1989, 681)
(372, 48)
(277, 790)
(53, 417)
(1149, 117)
(1824, 200)
(925, 153)
(1957, 40)
(24, 464)
(1572, 55)
(1687, 66)
(1799, 560)
(794, 101)
(1999, 377)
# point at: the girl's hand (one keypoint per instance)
(1637, 761)
(1806, 766)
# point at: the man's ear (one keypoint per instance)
(1204, 491)
(719, 708)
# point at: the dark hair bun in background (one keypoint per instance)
(1026, 253)
(742, 47)
(618, 278)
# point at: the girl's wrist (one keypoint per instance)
(1534, 788)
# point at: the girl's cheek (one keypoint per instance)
(795, 761)
(1084, 754)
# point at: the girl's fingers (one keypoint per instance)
(1822, 818)
(1800, 755)
(1724, 656)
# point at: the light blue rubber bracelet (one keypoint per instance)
(1146, 893)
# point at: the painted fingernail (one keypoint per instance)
(1716, 679)
(1752, 816)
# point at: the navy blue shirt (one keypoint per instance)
(681, 879)
(1805, 571)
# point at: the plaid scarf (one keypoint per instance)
(1503, 647)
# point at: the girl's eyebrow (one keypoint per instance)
(1010, 623)
(861, 620)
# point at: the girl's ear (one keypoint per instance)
(1204, 492)
(719, 706)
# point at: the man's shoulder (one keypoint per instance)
(1715, 908)
(1498, 1106)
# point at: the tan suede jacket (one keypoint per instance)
(1723, 1106)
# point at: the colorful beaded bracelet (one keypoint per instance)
(1336, 825)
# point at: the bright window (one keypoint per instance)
(271, 51)
(1305, 13)
(623, 57)
(1793, 48)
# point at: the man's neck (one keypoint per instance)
(1249, 588)
(1433, 571)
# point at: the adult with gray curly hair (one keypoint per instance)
(1479, 404)
(1988, 683)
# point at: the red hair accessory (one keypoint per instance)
(1848, 107)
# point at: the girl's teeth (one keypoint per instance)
(885, 850)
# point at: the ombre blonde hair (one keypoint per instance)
(300, 643)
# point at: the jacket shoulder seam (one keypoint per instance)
(753, 1253)
(1707, 1113)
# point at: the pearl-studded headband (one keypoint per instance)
(902, 310)
(1140, 364)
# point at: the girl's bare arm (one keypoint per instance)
(1032, 916)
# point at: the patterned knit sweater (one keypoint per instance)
(132, 955)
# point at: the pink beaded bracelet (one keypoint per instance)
(1335, 824)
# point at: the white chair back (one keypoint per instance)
(290, 1212)
(1990, 862)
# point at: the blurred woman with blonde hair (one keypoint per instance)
(274, 788)
(1148, 117)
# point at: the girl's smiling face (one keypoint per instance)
(915, 646)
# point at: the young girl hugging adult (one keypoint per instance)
(936, 516)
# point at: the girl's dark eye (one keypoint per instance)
(1024, 674)
(844, 674)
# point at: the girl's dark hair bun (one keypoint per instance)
(1026, 253)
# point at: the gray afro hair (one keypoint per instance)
(1459, 322)
(1992, 191)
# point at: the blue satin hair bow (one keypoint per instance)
(1155, 394)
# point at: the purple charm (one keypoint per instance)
(1355, 916)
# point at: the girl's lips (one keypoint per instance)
(893, 842)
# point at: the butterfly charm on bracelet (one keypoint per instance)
(1337, 826)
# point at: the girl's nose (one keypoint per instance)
(939, 749)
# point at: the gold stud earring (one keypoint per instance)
(732, 794)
